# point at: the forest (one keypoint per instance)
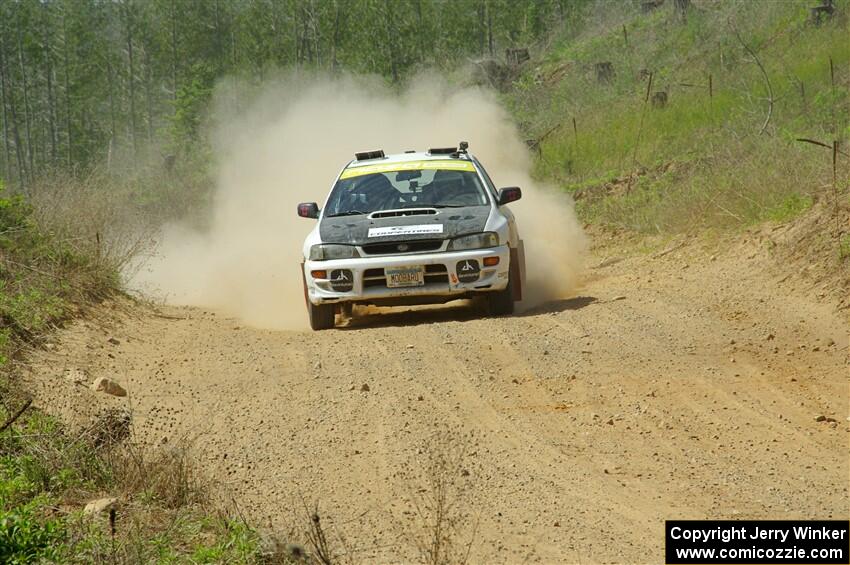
(84, 82)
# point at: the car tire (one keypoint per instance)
(502, 301)
(322, 316)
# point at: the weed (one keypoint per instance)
(844, 247)
(791, 206)
(445, 527)
(26, 537)
(162, 512)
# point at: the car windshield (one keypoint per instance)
(393, 190)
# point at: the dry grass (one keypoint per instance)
(444, 525)
(98, 216)
(167, 475)
(163, 509)
(441, 529)
(739, 183)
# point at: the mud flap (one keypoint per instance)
(337, 307)
(304, 282)
(518, 269)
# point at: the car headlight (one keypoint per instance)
(329, 251)
(474, 241)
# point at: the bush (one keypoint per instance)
(46, 475)
(24, 538)
(44, 276)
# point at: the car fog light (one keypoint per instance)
(342, 280)
(468, 270)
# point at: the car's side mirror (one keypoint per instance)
(308, 210)
(509, 194)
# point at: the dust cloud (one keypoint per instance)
(286, 145)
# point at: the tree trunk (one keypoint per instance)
(314, 31)
(13, 119)
(67, 80)
(27, 125)
(110, 85)
(420, 26)
(335, 37)
(128, 27)
(7, 151)
(173, 50)
(681, 7)
(148, 80)
(51, 101)
(482, 28)
(219, 56)
(388, 19)
(490, 43)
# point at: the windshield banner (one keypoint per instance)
(407, 166)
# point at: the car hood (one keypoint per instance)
(382, 227)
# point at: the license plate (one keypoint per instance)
(405, 276)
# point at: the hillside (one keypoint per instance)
(696, 120)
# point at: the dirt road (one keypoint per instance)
(668, 387)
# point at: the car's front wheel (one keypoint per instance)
(501, 302)
(321, 316)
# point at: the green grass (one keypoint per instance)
(51, 270)
(43, 279)
(25, 537)
(792, 206)
(727, 173)
(46, 476)
(844, 248)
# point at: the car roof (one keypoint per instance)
(400, 158)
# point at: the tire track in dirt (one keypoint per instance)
(588, 421)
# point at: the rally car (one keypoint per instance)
(413, 228)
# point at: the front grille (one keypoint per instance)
(396, 247)
(434, 274)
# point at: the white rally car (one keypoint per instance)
(413, 228)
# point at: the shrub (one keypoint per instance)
(25, 538)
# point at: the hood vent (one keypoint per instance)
(403, 212)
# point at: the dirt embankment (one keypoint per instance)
(673, 385)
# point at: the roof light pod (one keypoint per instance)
(451, 151)
(367, 155)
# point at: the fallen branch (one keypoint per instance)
(668, 250)
(608, 261)
(822, 144)
(764, 74)
(640, 130)
(734, 215)
(16, 415)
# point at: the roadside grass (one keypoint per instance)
(43, 279)
(844, 248)
(702, 161)
(737, 186)
(163, 512)
(60, 253)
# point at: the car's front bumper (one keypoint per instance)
(369, 284)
